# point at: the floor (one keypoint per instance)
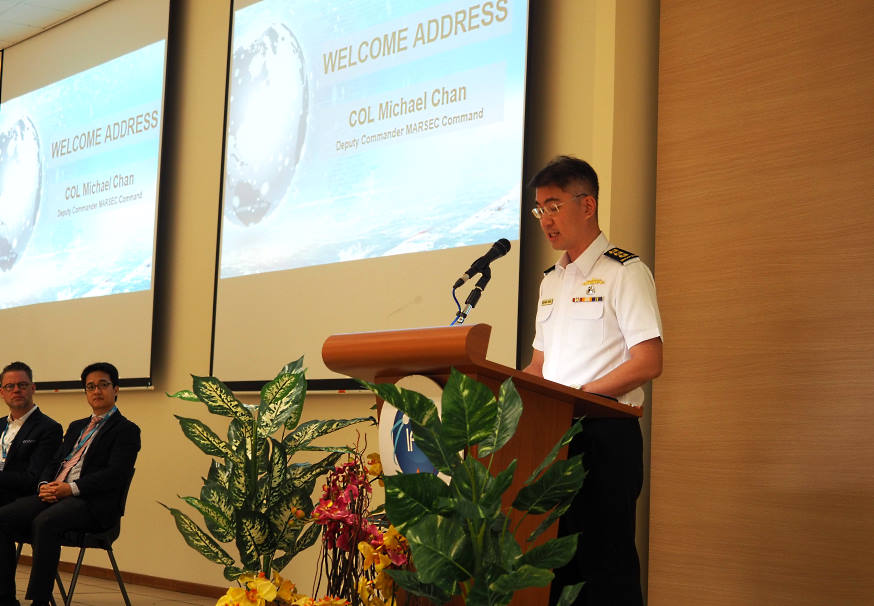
(99, 592)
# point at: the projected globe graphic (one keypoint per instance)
(266, 123)
(20, 186)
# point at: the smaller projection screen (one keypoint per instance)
(81, 111)
(373, 151)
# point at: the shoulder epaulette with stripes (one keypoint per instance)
(548, 269)
(617, 254)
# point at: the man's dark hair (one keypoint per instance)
(12, 366)
(106, 367)
(564, 171)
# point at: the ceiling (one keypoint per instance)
(21, 19)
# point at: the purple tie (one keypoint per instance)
(87, 436)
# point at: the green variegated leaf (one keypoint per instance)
(340, 449)
(554, 515)
(470, 480)
(564, 441)
(424, 422)
(522, 577)
(240, 437)
(283, 521)
(441, 549)
(292, 367)
(491, 498)
(276, 474)
(218, 474)
(277, 401)
(263, 452)
(184, 394)
(409, 497)
(237, 488)
(555, 487)
(481, 595)
(218, 398)
(552, 554)
(309, 431)
(468, 412)
(306, 539)
(253, 533)
(509, 411)
(302, 475)
(232, 573)
(216, 521)
(569, 594)
(198, 539)
(205, 438)
(218, 498)
(410, 582)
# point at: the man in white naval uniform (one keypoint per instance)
(597, 329)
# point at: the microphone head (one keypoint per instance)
(504, 245)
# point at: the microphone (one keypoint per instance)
(498, 250)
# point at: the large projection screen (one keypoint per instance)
(373, 151)
(81, 112)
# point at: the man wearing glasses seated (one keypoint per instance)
(28, 438)
(80, 488)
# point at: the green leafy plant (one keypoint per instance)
(253, 494)
(461, 539)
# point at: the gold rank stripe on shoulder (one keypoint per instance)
(617, 254)
(546, 302)
(586, 299)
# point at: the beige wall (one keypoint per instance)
(762, 460)
(588, 95)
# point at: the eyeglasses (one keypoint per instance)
(22, 385)
(99, 385)
(551, 208)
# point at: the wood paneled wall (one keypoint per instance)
(762, 480)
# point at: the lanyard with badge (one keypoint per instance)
(83, 440)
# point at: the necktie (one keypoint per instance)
(84, 439)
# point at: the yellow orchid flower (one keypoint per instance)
(371, 556)
(236, 596)
(332, 601)
(263, 588)
(374, 464)
(285, 590)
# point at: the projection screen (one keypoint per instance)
(373, 151)
(81, 112)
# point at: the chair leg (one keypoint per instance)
(118, 576)
(60, 584)
(69, 597)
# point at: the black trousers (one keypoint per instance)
(604, 512)
(43, 525)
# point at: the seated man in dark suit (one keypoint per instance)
(81, 488)
(28, 438)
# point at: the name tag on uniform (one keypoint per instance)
(546, 302)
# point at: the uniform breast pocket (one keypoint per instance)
(587, 322)
(543, 313)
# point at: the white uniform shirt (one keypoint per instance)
(591, 312)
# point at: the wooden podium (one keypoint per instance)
(549, 408)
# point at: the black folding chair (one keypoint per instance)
(95, 540)
(91, 540)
